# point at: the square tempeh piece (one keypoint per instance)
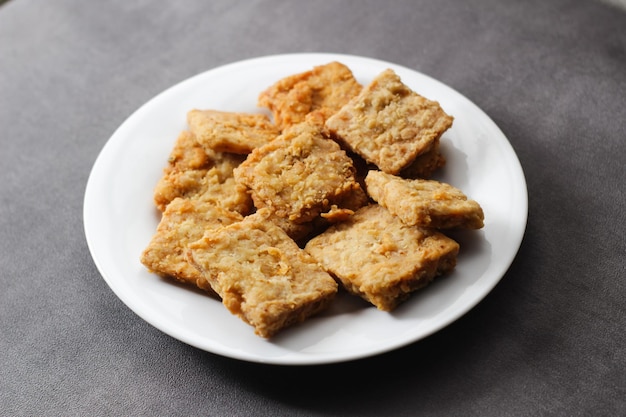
(299, 175)
(381, 259)
(229, 131)
(261, 274)
(183, 222)
(201, 174)
(325, 89)
(389, 124)
(425, 203)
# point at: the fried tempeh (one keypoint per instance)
(325, 89)
(261, 274)
(425, 203)
(231, 132)
(299, 175)
(389, 124)
(198, 173)
(381, 259)
(183, 222)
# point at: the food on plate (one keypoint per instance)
(273, 215)
(202, 174)
(425, 203)
(262, 275)
(425, 164)
(388, 124)
(379, 258)
(325, 89)
(184, 221)
(298, 175)
(231, 132)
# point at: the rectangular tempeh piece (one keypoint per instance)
(262, 275)
(324, 89)
(229, 131)
(183, 222)
(379, 258)
(425, 203)
(389, 124)
(299, 175)
(199, 173)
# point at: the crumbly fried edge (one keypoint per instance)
(229, 131)
(325, 89)
(425, 203)
(262, 276)
(389, 124)
(377, 257)
(299, 175)
(183, 222)
(196, 172)
(426, 164)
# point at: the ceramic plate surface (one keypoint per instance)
(120, 219)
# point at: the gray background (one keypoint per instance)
(549, 340)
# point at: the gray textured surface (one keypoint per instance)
(549, 340)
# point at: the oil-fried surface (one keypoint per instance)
(389, 124)
(325, 89)
(231, 132)
(298, 175)
(425, 203)
(379, 258)
(183, 222)
(196, 172)
(261, 274)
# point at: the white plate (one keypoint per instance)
(120, 219)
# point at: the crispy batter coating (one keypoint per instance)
(379, 258)
(325, 88)
(195, 172)
(183, 222)
(188, 154)
(298, 175)
(389, 124)
(426, 164)
(231, 132)
(299, 232)
(261, 274)
(425, 203)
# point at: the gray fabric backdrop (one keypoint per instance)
(549, 340)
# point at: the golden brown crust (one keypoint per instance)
(298, 175)
(297, 231)
(195, 172)
(187, 154)
(379, 258)
(325, 89)
(183, 222)
(425, 203)
(261, 275)
(231, 132)
(389, 124)
(426, 164)
(178, 183)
